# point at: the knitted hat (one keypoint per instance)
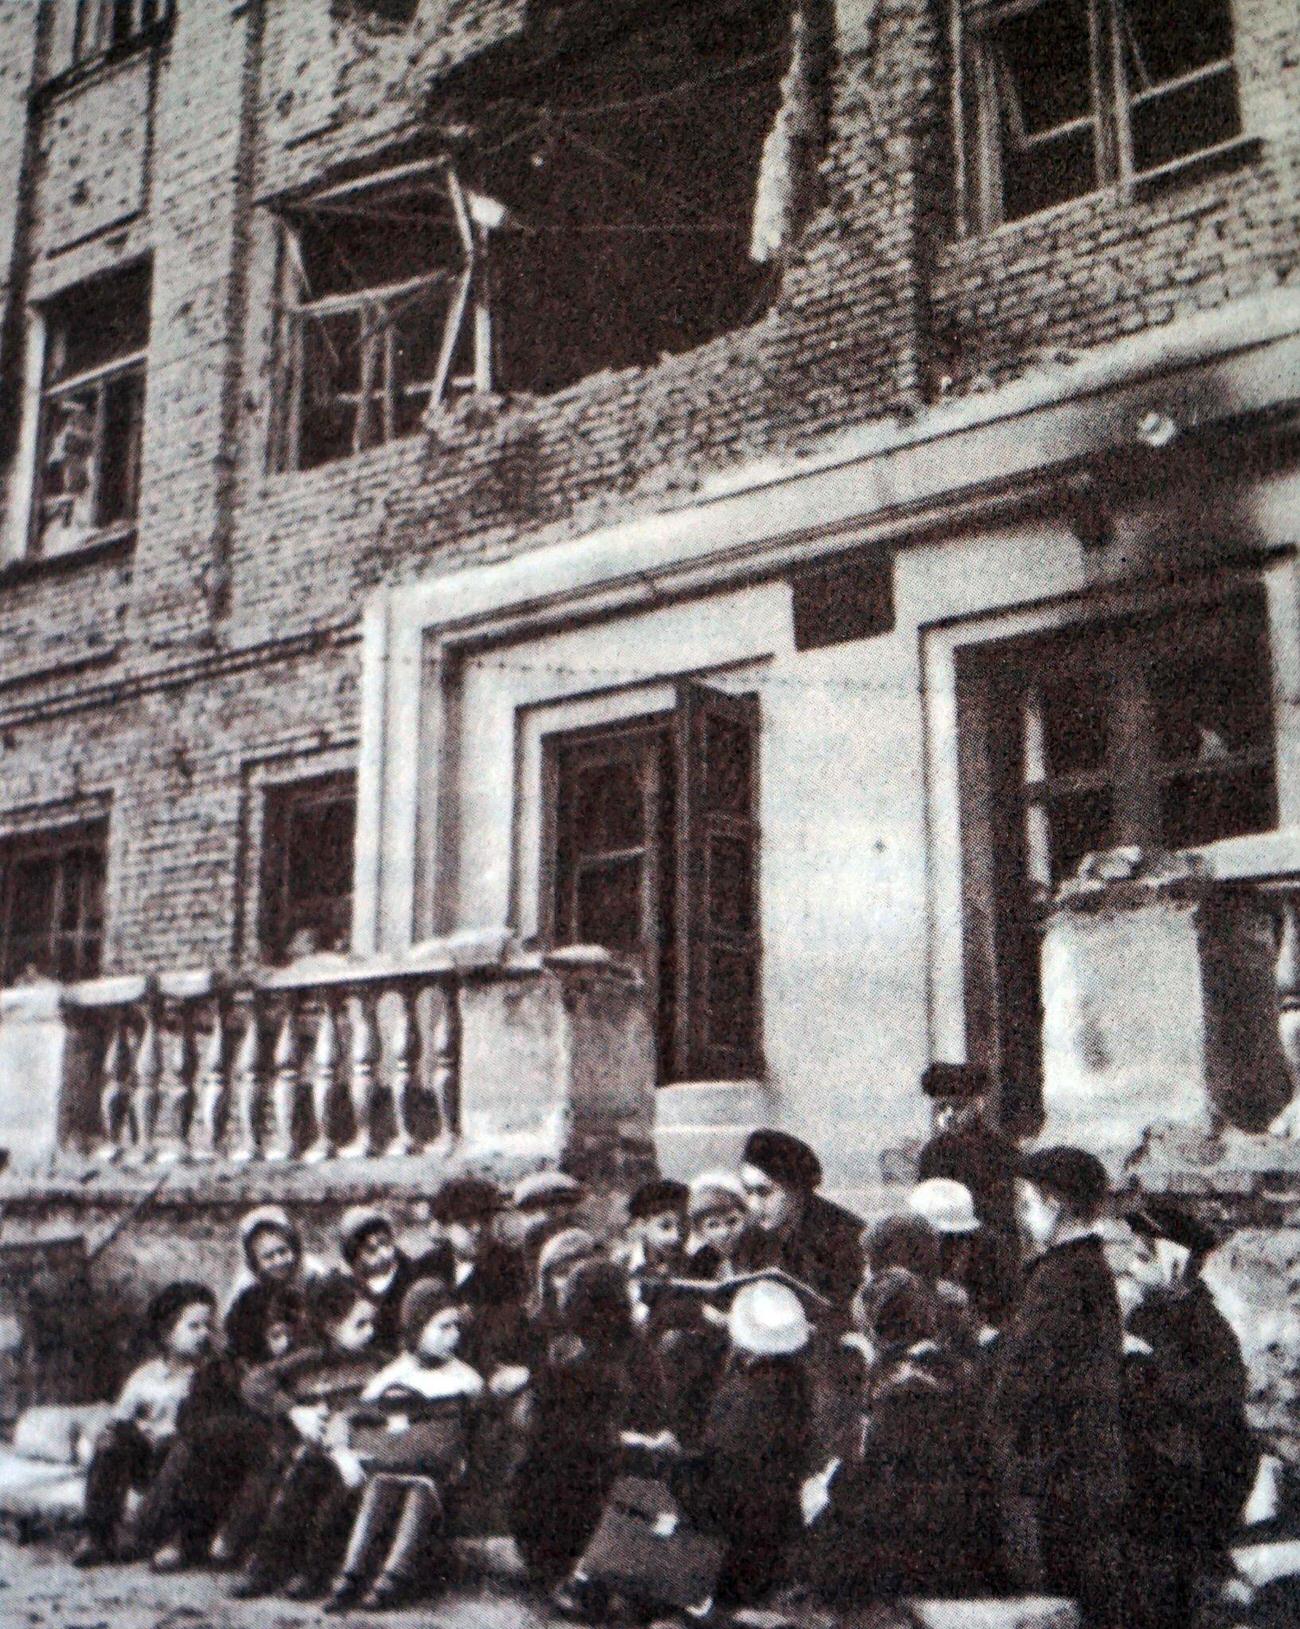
(466, 1199)
(653, 1198)
(767, 1319)
(955, 1080)
(268, 1219)
(166, 1307)
(714, 1193)
(543, 1190)
(1072, 1175)
(784, 1158)
(946, 1205)
(359, 1222)
(1163, 1219)
(423, 1301)
(563, 1249)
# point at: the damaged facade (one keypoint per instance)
(764, 487)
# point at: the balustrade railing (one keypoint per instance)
(307, 1063)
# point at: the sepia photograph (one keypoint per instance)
(650, 814)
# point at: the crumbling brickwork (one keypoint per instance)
(159, 669)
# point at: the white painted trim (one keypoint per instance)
(956, 466)
(16, 542)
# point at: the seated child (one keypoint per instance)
(271, 1279)
(305, 1395)
(581, 1399)
(904, 1513)
(654, 1247)
(168, 1396)
(718, 1214)
(398, 1538)
(383, 1271)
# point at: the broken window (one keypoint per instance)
(92, 411)
(630, 196)
(1059, 97)
(306, 893)
(654, 855)
(52, 904)
(102, 26)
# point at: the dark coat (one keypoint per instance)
(1054, 1418)
(1193, 1455)
(388, 1306)
(823, 1250)
(744, 1485)
(495, 1294)
(248, 1317)
(981, 1160)
(910, 1514)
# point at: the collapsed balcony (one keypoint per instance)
(607, 207)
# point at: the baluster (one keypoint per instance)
(324, 1071)
(361, 1075)
(144, 1093)
(1287, 977)
(247, 1083)
(446, 1064)
(113, 1095)
(174, 1094)
(210, 1089)
(286, 1082)
(405, 1044)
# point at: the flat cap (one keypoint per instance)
(652, 1198)
(784, 1158)
(1070, 1174)
(1163, 1219)
(359, 1221)
(541, 1190)
(466, 1199)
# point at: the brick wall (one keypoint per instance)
(161, 673)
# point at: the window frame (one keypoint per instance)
(677, 883)
(466, 325)
(976, 110)
(101, 28)
(281, 799)
(129, 367)
(58, 844)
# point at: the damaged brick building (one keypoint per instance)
(498, 492)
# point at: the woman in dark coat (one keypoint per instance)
(582, 1397)
(792, 1226)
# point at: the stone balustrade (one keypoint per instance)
(335, 1058)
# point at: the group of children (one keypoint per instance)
(845, 1413)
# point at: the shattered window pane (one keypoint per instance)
(1182, 85)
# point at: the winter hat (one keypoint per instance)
(907, 1241)
(1072, 1175)
(466, 1199)
(653, 1198)
(715, 1192)
(1163, 1219)
(267, 1219)
(946, 1205)
(544, 1190)
(166, 1307)
(784, 1158)
(423, 1301)
(563, 1249)
(898, 1309)
(596, 1307)
(767, 1319)
(359, 1221)
(955, 1080)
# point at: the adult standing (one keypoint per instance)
(792, 1226)
(1054, 1400)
